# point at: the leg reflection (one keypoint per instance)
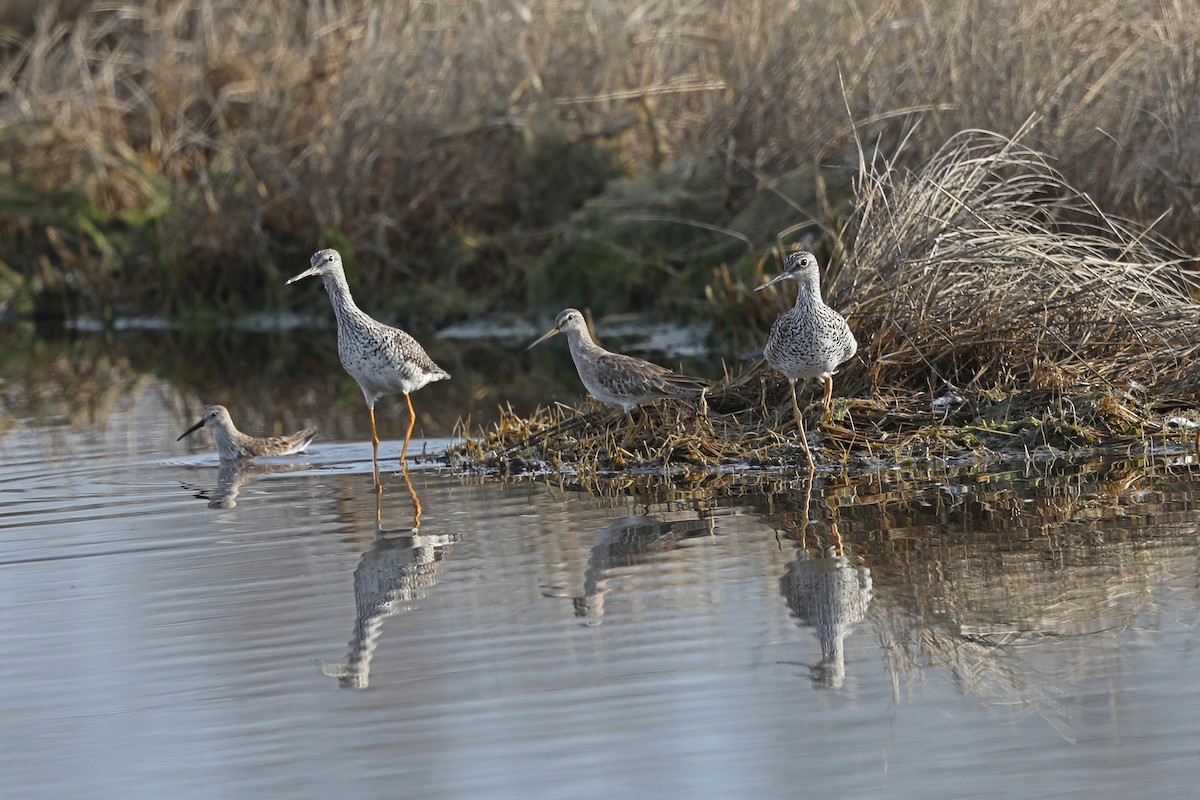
(412, 491)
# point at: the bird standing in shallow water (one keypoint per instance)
(233, 445)
(811, 339)
(614, 378)
(382, 359)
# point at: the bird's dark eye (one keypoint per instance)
(329, 258)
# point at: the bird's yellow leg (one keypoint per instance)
(412, 420)
(630, 430)
(825, 415)
(375, 448)
(812, 466)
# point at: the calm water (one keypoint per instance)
(175, 630)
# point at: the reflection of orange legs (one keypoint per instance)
(412, 420)
(378, 504)
(416, 500)
(375, 449)
(812, 466)
(808, 487)
(838, 546)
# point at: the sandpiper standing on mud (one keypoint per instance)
(811, 339)
(615, 378)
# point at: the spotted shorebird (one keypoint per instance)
(383, 359)
(811, 339)
(614, 378)
(233, 445)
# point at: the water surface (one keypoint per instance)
(175, 629)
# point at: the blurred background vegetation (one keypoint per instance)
(184, 157)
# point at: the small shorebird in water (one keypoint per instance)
(615, 378)
(382, 359)
(811, 339)
(233, 445)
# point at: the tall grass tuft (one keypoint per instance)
(985, 269)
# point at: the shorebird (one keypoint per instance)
(233, 445)
(811, 339)
(382, 359)
(615, 378)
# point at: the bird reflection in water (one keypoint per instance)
(826, 592)
(231, 476)
(626, 542)
(829, 594)
(396, 572)
(390, 577)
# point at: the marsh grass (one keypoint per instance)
(997, 309)
(450, 146)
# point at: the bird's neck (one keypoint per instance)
(581, 342)
(809, 293)
(226, 437)
(339, 294)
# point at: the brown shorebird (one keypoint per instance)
(383, 359)
(614, 378)
(811, 339)
(233, 445)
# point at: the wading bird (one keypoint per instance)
(233, 445)
(615, 378)
(811, 339)
(382, 359)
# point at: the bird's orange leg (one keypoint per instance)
(375, 448)
(630, 430)
(828, 391)
(812, 466)
(412, 420)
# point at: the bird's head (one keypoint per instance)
(212, 416)
(567, 319)
(323, 262)
(797, 265)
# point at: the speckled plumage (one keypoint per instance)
(233, 445)
(614, 378)
(811, 339)
(382, 359)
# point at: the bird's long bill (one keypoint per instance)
(305, 274)
(771, 282)
(195, 427)
(543, 338)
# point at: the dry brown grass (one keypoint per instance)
(982, 273)
(404, 131)
(985, 269)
